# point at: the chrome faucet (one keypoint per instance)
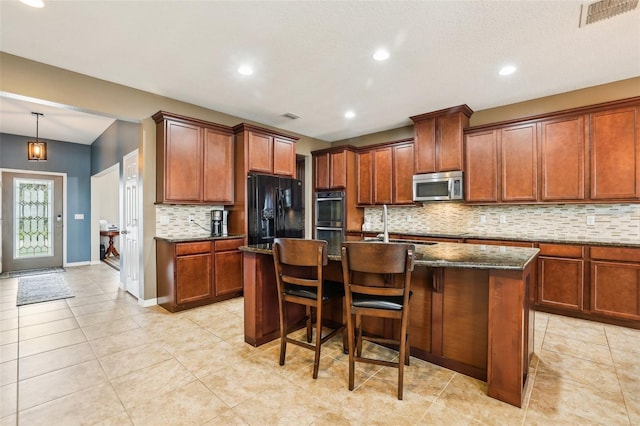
(385, 224)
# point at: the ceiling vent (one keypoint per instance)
(603, 9)
(295, 117)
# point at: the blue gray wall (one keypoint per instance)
(63, 157)
(117, 141)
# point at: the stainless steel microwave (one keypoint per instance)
(446, 186)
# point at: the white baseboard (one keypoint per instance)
(96, 262)
(72, 264)
(148, 302)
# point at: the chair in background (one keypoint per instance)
(298, 265)
(377, 279)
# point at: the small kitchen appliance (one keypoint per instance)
(219, 223)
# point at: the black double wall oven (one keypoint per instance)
(330, 215)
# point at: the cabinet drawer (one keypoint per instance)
(561, 250)
(616, 253)
(222, 245)
(193, 248)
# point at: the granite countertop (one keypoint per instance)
(452, 255)
(469, 236)
(192, 238)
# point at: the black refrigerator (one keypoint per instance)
(274, 208)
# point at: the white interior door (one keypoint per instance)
(131, 257)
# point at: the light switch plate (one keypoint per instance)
(78, 216)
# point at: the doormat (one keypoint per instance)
(28, 272)
(42, 288)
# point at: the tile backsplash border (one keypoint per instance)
(612, 223)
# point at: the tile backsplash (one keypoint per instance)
(571, 222)
(173, 220)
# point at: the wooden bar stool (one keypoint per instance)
(298, 264)
(377, 278)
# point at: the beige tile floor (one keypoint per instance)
(99, 358)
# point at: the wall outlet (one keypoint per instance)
(503, 218)
(591, 220)
(190, 219)
(164, 220)
(483, 218)
(409, 218)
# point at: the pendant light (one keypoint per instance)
(37, 150)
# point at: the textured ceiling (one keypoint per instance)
(313, 59)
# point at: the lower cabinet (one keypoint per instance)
(561, 276)
(191, 274)
(615, 282)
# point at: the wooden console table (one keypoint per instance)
(111, 250)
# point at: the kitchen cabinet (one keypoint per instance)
(385, 174)
(438, 138)
(615, 154)
(227, 267)
(561, 272)
(196, 273)
(481, 167)
(330, 170)
(266, 151)
(615, 282)
(194, 161)
(365, 177)
(519, 163)
(587, 155)
(562, 159)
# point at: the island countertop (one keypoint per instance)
(452, 255)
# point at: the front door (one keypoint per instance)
(131, 255)
(32, 222)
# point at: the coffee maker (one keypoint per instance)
(219, 220)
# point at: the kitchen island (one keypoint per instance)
(470, 310)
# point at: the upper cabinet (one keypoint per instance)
(589, 154)
(615, 154)
(385, 174)
(266, 151)
(439, 139)
(194, 161)
(330, 170)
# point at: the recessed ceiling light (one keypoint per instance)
(507, 70)
(245, 70)
(381, 55)
(349, 114)
(33, 3)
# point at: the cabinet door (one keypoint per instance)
(615, 289)
(193, 278)
(615, 154)
(383, 166)
(562, 159)
(321, 169)
(260, 149)
(338, 170)
(183, 162)
(519, 163)
(228, 272)
(481, 167)
(218, 167)
(561, 283)
(284, 157)
(365, 177)
(425, 145)
(449, 143)
(403, 174)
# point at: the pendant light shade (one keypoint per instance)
(37, 150)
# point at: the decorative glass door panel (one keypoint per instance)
(33, 219)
